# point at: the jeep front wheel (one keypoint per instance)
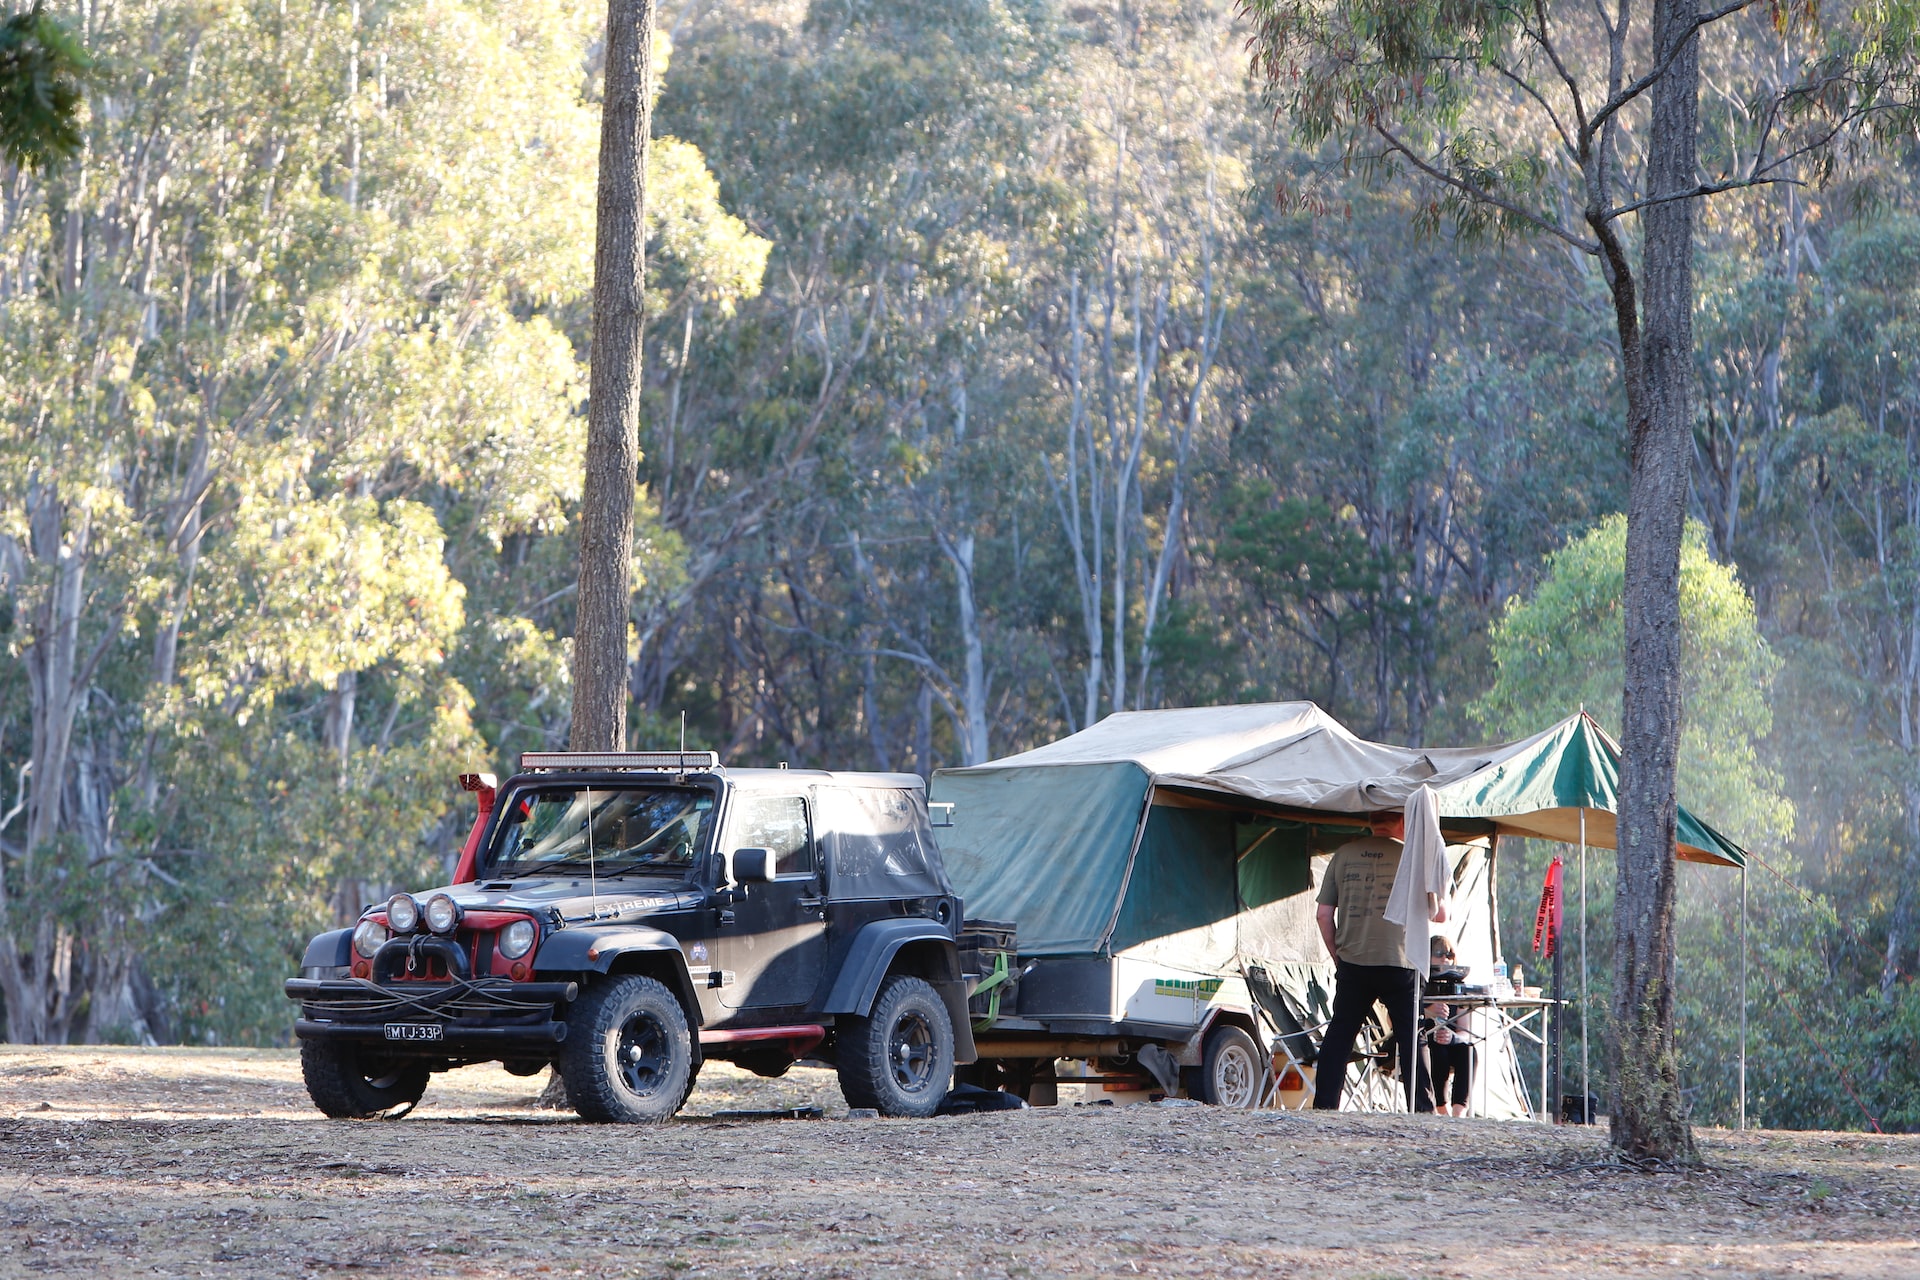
(628, 1055)
(899, 1058)
(348, 1083)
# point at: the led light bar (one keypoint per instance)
(673, 761)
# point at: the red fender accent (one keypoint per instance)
(483, 785)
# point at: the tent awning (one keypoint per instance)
(1049, 837)
(1537, 786)
(1295, 756)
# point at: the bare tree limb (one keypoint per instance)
(1480, 194)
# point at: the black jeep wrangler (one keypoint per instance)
(624, 916)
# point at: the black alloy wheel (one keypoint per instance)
(899, 1058)
(628, 1055)
(910, 1051)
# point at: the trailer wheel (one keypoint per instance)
(1231, 1073)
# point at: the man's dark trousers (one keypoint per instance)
(1356, 987)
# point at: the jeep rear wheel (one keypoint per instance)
(628, 1055)
(348, 1083)
(899, 1058)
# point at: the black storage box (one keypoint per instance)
(1577, 1110)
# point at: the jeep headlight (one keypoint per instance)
(442, 913)
(368, 938)
(403, 913)
(517, 939)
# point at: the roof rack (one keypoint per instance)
(657, 761)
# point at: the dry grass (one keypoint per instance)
(211, 1162)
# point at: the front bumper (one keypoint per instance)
(490, 1014)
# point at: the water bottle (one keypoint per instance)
(1501, 987)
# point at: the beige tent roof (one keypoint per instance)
(1296, 756)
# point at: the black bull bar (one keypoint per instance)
(489, 1013)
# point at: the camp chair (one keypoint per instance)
(1294, 1047)
(1372, 1080)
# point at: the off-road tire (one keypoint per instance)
(628, 1055)
(347, 1083)
(1232, 1072)
(899, 1058)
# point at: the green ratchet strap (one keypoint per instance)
(991, 987)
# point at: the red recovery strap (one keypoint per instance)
(1546, 921)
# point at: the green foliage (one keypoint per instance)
(303, 419)
(44, 75)
(1562, 647)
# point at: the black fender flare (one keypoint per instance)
(603, 950)
(872, 954)
(330, 950)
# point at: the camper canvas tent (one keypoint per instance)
(1166, 848)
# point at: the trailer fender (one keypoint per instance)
(1192, 1052)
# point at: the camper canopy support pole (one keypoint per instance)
(1586, 1085)
(1743, 997)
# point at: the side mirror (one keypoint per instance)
(752, 866)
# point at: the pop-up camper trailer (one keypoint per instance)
(1147, 861)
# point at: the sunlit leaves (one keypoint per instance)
(1561, 648)
(720, 260)
(323, 587)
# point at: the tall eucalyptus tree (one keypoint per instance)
(1599, 140)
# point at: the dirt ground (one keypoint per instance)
(183, 1162)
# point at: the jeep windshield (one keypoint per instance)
(608, 830)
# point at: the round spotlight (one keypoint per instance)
(403, 913)
(368, 937)
(517, 939)
(442, 913)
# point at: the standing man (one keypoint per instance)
(1369, 957)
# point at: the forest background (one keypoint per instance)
(991, 387)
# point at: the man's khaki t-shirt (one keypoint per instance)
(1359, 878)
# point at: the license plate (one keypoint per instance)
(413, 1031)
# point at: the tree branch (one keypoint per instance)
(1640, 86)
(1704, 189)
(1476, 193)
(1566, 77)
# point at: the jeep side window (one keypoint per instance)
(778, 823)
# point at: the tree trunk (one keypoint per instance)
(613, 406)
(336, 727)
(1906, 901)
(1649, 1115)
(973, 745)
(49, 567)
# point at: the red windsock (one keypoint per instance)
(1546, 921)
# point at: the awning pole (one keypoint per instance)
(1743, 996)
(1586, 1086)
